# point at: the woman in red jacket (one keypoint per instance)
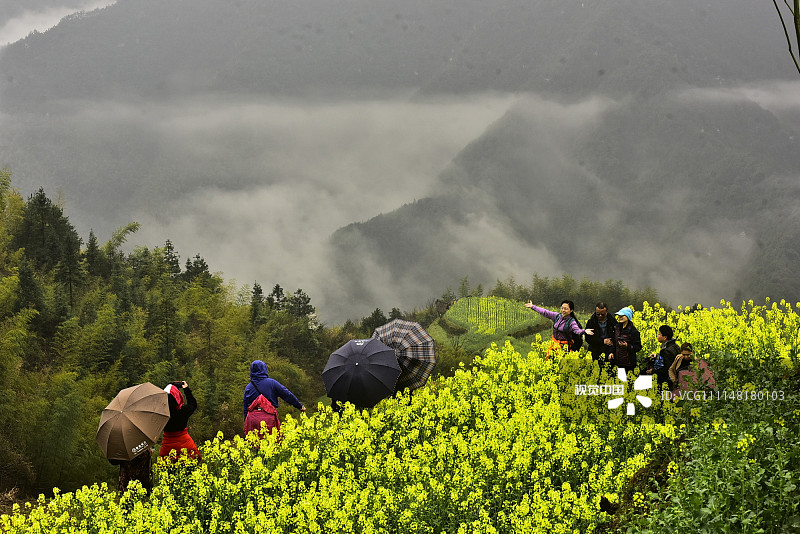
(182, 405)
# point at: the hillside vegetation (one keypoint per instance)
(504, 446)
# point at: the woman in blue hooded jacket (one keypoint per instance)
(262, 384)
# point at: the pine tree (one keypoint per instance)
(463, 288)
(96, 263)
(46, 234)
(196, 269)
(299, 304)
(276, 299)
(172, 259)
(257, 306)
(376, 319)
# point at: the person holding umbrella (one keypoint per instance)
(362, 372)
(137, 469)
(128, 429)
(271, 389)
(182, 405)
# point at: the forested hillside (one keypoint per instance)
(80, 322)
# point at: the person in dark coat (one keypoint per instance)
(626, 341)
(663, 360)
(602, 340)
(182, 405)
(262, 384)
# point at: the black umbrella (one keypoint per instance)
(362, 371)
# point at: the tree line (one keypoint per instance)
(550, 292)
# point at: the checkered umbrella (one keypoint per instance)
(414, 349)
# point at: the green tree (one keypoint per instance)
(96, 262)
(116, 259)
(196, 269)
(16, 339)
(69, 270)
(299, 304)
(63, 432)
(276, 299)
(172, 259)
(11, 214)
(46, 234)
(448, 296)
(463, 288)
(138, 353)
(257, 306)
(376, 319)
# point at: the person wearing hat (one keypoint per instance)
(626, 341)
(271, 389)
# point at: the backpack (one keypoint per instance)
(261, 410)
(673, 350)
(575, 340)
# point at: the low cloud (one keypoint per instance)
(258, 185)
(294, 173)
(775, 96)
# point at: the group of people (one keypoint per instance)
(261, 397)
(612, 340)
(615, 340)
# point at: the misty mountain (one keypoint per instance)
(692, 204)
(649, 141)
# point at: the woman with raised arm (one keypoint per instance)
(567, 331)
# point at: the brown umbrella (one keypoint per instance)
(132, 421)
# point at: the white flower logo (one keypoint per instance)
(641, 383)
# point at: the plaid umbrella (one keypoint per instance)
(414, 349)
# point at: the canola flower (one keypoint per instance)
(498, 447)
